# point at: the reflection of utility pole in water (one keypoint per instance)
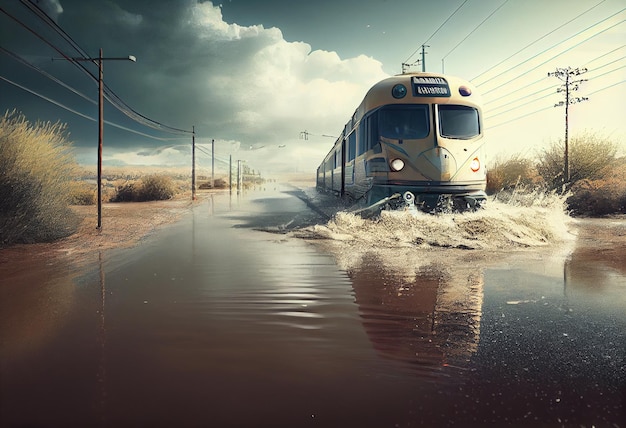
(426, 317)
(102, 341)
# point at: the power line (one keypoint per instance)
(50, 100)
(436, 31)
(46, 74)
(526, 96)
(540, 38)
(110, 95)
(71, 110)
(550, 107)
(490, 116)
(475, 28)
(554, 56)
(521, 90)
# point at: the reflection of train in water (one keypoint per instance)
(415, 139)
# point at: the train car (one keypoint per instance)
(416, 139)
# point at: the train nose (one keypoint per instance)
(437, 164)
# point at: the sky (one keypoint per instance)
(252, 76)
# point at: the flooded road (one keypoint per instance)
(256, 311)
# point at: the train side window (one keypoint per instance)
(361, 138)
(372, 133)
(459, 122)
(351, 147)
(404, 122)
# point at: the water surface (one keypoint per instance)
(255, 311)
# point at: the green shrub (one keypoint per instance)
(36, 167)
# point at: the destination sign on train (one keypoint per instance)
(430, 87)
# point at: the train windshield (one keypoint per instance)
(458, 121)
(404, 122)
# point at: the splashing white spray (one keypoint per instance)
(530, 220)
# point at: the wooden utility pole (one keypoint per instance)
(193, 163)
(98, 61)
(569, 85)
(424, 57)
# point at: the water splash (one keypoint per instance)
(521, 221)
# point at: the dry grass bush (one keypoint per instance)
(591, 157)
(156, 188)
(151, 188)
(507, 175)
(83, 193)
(218, 183)
(36, 166)
(600, 197)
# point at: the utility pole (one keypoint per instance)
(424, 57)
(98, 61)
(212, 163)
(569, 85)
(193, 163)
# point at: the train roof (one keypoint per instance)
(420, 88)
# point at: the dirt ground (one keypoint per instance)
(124, 224)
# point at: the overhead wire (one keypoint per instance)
(109, 94)
(476, 28)
(76, 112)
(554, 56)
(550, 107)
(43, 97)
(539, 39)
(46, 74)
(437, 30)
(524, 94)
(490, 115)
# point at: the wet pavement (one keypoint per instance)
(243, 315)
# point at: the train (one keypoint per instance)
(416, 140)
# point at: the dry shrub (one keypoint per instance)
(506, 175)
(218, 183)
(36, 166)
(126, 192)
(600, 197)
(151, 188)
(83, 193)
(156, 188)
(591, 157)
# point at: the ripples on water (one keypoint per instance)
(418, 289)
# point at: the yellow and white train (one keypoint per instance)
(416, 139)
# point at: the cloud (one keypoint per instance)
(52, 8)
(231, 82)
(234, 82)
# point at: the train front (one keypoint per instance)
(425, 133)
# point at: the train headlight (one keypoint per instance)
(398, 91)
(396, 164)
(475, 164)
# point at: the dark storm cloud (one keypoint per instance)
(244, 85)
